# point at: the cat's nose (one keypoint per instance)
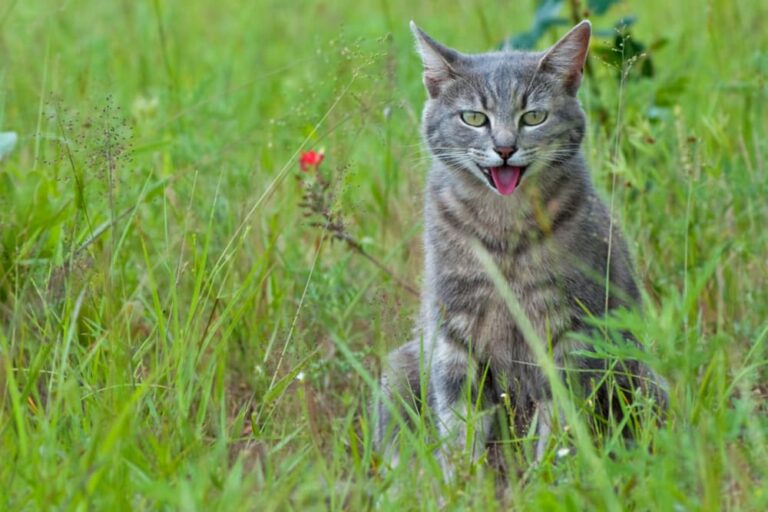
(505, 151)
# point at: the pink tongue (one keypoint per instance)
(505, 179)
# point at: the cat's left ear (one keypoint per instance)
(440, 62)
(567, 57)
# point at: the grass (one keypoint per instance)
(174, 334)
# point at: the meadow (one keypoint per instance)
(190, 321)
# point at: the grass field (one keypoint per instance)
(176, 334)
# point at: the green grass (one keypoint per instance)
(174, 334)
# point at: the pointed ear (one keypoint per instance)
(440, 63)
(568, 56)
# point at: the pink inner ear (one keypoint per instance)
(435, 78)
(432, 85)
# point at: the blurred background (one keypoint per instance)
(193, 306)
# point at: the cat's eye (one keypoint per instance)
(534, 117)
(473, 118)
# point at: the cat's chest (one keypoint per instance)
(461, 235)
(475, 311)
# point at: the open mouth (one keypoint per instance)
(504, 179)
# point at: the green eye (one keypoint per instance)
(474, 118)
(534, 117)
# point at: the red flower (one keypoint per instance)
(310, 158)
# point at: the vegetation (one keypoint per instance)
(183, 327)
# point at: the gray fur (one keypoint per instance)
(550, 239)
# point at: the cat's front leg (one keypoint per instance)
(543, 428)
(462, 426)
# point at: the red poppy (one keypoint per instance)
(310, 158)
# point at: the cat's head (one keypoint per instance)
(504, 116)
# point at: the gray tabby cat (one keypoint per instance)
(505, 132)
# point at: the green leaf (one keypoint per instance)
(626, 48)
(281, 385)
(547, 16)
(599, 7)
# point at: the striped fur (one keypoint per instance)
(549, 238)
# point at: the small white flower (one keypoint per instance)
(144, 108)
(7, 142)
(563, 452)
(300, 376)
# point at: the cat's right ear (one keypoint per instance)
(568, 56)
(440, 62)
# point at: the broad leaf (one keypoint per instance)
(599, 7)
(547, 16)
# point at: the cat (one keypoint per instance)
(508, 179)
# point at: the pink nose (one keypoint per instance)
(505, 151)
